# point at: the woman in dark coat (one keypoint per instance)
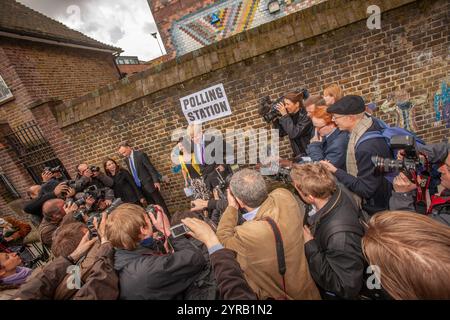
(124, 186)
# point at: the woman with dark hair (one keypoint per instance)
(295, 122)
(124, 186)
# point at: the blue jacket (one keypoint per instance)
(332, 148)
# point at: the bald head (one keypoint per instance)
(53, 210)
(33, 191)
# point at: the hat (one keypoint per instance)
(348, 105)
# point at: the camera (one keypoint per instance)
(224, 183)
(411, 163)
(52, 170)
(179, 230)
(94, 192)
(268, 108)
(94, 168)
(70, 183)
(90, 223)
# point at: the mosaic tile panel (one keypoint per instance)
(234, 16)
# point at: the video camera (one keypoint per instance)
(268, 108)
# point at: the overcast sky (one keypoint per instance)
(126, 24)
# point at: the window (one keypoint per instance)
(5, 93)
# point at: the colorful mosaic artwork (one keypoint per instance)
(442, 104)
(226, 18)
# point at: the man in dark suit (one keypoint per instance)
(144, 174)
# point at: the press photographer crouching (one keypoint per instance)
(288, 114)
(268, 244)
(332, 232)
(405, 192)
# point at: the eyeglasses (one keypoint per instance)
(335, 117)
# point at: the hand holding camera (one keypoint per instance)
(159, 220)
(199, 204)
(46, 176)
(282, 108)
(70, 208)
(101, 229)
(61, 189)
(201, 231)
(402, 184)
(232, 202)
(83, 247)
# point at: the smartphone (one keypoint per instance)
(179, 230)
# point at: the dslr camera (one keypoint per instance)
(411, 164)
(268, 108)
(94, 169)
(90, 223)
(53, 170)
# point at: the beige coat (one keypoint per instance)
(254, 243)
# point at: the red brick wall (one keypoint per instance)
(35, 71)
(165, 12)
(374, 63)
(38, 71)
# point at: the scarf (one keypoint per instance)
(17, 278)
(356, 134)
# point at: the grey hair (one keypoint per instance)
(249, 186)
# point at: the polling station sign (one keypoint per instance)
(206, 105)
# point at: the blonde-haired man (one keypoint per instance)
(332, 232)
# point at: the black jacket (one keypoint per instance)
(146, 172)
(144, 275)
(334, 256)
(50, 185)
(125, 188)
(373, 188)
(102, 181)
(34, 206)
(299, 128)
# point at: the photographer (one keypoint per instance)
(404, 190)
(98, 280)
(332, 232)
(51, 177)
(91, 176)
(56, 212)
(143, 273)
(37, 199)
(332, 94)
(272, 222)
(372, 190)
(295, 122)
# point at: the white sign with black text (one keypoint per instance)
(206, 105)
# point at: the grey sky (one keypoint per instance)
(122, 23)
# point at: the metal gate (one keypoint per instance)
(34, 151)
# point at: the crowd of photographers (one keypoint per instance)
(342, 226)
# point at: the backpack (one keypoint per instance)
(387, 133)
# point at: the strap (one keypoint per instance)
(280, 251)
(368, 136)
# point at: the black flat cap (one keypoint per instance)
(348, 105)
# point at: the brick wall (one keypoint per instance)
(35, 71)
(405, 61)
